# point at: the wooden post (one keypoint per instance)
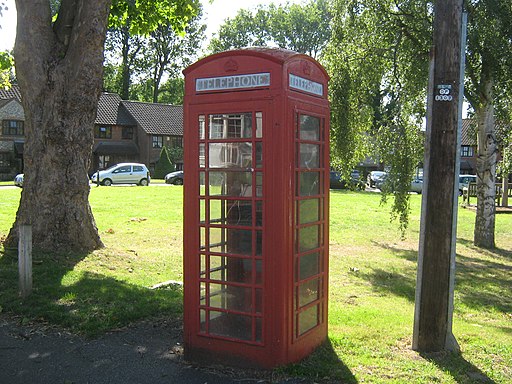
(436, 259)
(25, 259)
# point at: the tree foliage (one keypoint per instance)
(59, 64)
(151, 58)
(301, 28)
(378, 60)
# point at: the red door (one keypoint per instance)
(228, 209)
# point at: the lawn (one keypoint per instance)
(372, 283)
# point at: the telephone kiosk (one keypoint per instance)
(256, 209)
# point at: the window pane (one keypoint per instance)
(227, 126)
(201, 127)
(309, 211)
(230, 183)
(229, 155)
(308, 238)
(231, 269)
(231, 241)
(309, 292)
(259, 155)
(309, 183)
(309, 265)
(309, 128)
(308, 319)
(309, 156)
(201, 155)
(229, 297)
(231, 212)
(259, 125)
(230, 325)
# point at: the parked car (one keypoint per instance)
(337, 182)
(416, 185)
(18, 180)
(375, 179)
(123, 173)
(175, 178)
(464, 181)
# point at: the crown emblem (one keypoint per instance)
(231, 66)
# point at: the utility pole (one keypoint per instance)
(436, 259)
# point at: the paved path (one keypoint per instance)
(146, 353)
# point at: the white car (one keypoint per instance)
(123, 173)
(18, 180)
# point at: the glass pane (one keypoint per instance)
(202, 238)
(259, 332)
(259, 184)
(308, 319)
(309, 128)
(202, 317)
(230, 325)
(230, 183)
(217, 240)
(201, 127)
(309, 265)
(201, 155)
(202, 211)
(202, 272)
(229, 297)
(259, 243)
(232, 241)
(309, 183)
(309, 211)
(309, 238)
(228, 126)
(309, 292)
(202, 293)
(259, 125)
(231, 212)
(259, 155)
(259, 300)
(230, 155)
(259, 213)
(259, 272)
(202, 187)
(230, 269)
(309, 156)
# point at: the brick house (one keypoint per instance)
(124, 131)
(468, 147)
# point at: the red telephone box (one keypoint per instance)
(256, 207)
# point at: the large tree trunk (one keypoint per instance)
(59, 70)
(486, 168)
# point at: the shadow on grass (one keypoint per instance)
(86, 302)
(480, 283)
(323, 360)
(459, 368)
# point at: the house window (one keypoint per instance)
(466, 151)
(102, 132)
(176, 142)
(104, 161)
(158, 141)
(128, 133)
(12, 128)
(5, 160)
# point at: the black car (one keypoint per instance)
(337, 182)
(175, 178)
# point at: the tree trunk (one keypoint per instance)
(504, 197)
(59, 72)
(486, 168)
(125, 64)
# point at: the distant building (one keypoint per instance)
(123, 131)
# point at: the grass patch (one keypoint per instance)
(372, 286)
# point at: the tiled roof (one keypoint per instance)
(111, 112)
(11, 93)
(157, 119)
(469, 132)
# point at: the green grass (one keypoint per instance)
(372, 286)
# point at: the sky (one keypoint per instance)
(215, 14)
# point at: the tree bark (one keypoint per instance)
(59, 70)
(486, 167)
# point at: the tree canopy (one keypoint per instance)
(301, 28)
